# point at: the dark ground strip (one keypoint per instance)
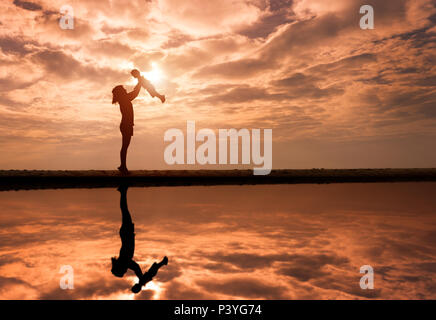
(28, 180)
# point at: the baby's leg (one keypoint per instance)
(152, 91)
(150, 88)
(152, 272)
(164, 262)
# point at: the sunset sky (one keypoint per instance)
(336, 96)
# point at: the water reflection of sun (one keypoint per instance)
(154, 287)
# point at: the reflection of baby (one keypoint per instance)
(148, 276)
(147, 85)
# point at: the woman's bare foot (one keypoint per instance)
(123, 170)
(123, 188)
(162, 98)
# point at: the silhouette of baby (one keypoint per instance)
(147, 85)
(125, 261)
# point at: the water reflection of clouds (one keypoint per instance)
(254, 242)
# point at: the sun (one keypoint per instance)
(155, 74)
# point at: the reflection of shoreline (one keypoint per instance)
(28, 180)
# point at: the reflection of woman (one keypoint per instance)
(124, 99)
(125, 260)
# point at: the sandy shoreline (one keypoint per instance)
(37, 179)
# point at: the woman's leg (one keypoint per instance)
(126, 217)
(123, 152)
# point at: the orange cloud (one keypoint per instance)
(302, 68)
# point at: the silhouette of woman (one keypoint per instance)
(125, 260)
(120, 95)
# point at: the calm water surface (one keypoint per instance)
(226, 242)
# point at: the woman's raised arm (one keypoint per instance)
(132, 95)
